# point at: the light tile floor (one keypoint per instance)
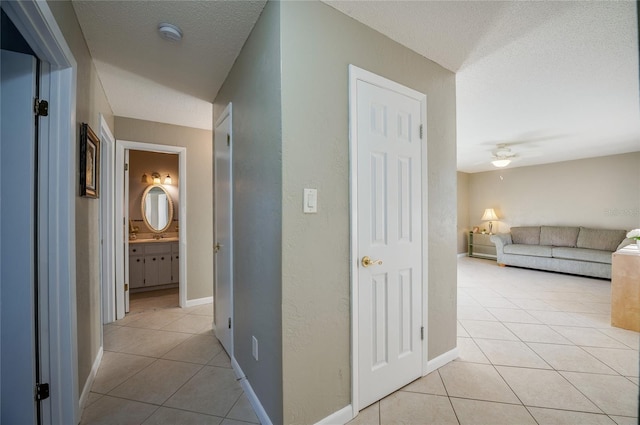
(163, 365)
(535, 348)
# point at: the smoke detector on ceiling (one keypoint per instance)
(169, 32)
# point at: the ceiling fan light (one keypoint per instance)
(169, 32)
(500, 163)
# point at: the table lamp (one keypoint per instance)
(489, 215)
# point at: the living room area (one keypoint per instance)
(539, 346)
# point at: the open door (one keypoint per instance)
(19, 347)
(122, 233)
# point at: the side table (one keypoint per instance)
(625, 288)
(480, 246)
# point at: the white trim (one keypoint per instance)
(121, 146)
(356, 74)
(90, 379)
(251, 395)
(199, 301)
(107, 221)
(463, 254)
(34, 20)
(441, 360)
(342, 416)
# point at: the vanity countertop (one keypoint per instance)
(161, 240)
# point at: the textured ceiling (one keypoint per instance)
(146, 77)
(553, 80)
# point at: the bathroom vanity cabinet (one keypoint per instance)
(152, 264)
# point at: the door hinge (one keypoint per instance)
(126, 287)
(420, 131)
(228, 140)
(126, 167)
(41, 107)
(421, 333)
(42, 391)
(229, 322)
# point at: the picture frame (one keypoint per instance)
(89, 162)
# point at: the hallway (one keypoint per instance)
(163, 365)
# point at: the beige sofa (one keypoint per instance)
(566, 249)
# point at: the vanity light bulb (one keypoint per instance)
(156, 180)
(167, 180)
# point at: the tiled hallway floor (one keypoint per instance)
(163, 365)
(535, 348)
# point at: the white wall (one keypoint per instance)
(599, 192)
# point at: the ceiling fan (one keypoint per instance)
(502, 156)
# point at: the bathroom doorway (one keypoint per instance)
(150, 204)
(154, 224)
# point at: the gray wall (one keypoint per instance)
(599, 192)
(318, 44)
(90, 101)
(199, 144)
(253, 85)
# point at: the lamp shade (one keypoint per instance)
(489, 214)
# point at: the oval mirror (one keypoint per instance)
(157, 208)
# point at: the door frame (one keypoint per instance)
(228, 112)
(107, 220)
(57, 244)
(121, 241)
(359, 74)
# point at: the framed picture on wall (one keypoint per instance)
(89, 162)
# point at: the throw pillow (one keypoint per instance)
(602, 239)
(526, 235)
(559, 236)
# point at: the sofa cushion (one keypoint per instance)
(531, 250)
(582, 254)
(526, 235)
(559, 235)
(602, 239)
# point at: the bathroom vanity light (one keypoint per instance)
(156, 179)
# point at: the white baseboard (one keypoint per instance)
(251, 395)
(199, 301)
(89, 382)
(342, 416)
(463, 254)
(442, 360)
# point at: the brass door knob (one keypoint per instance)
(367, 261)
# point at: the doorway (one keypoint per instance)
(388, 160)
(164, 247)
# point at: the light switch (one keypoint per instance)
(310, 200)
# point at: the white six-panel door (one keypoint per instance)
(389, 205)
(223, 284)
